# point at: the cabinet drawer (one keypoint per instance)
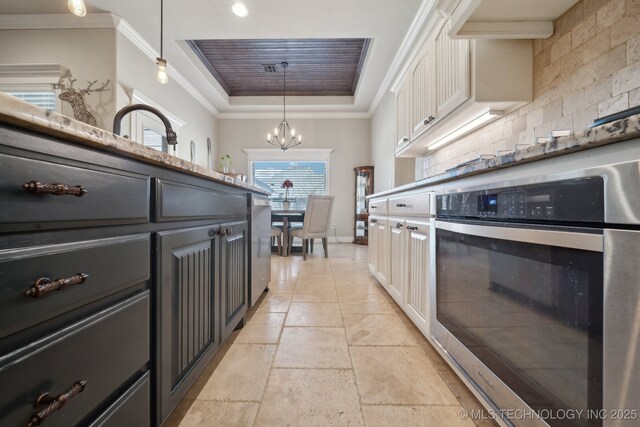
(109, 196)
(132, 408)
(105, 350)
(111, 265)
(177, 201)
(378, 207)
(413, 205)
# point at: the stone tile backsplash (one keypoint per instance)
(589, 68)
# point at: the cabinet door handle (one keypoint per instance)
(229, 231)
(401, 205)
(213, 232)
(411, 227)
(373, 207)
(373, 221)
(36, 187)
(398, 225)
(430, 119)
(405, 139)
(44, 285)
(53, 403)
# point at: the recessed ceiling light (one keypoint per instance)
(240, 10)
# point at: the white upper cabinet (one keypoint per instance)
(403, 110)
(451, 83)
(452, 72)
(423, 105)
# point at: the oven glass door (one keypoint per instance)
(528, 304)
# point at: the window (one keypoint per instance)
(40, 98)
(32, 83)
(308, 169)
(307, 177)
(154, 139)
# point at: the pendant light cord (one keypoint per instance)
(161, 26)
(284, 94)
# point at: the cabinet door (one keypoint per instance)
(397, 260)
(403, 114)
(187, 334)
(233, 278)
(423, 100)
(452, 72)
(382, 265)
(418, 255)
(373, 245)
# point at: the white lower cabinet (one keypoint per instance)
(418, 259)
(382, 264)
(400, 255)
(397, 260)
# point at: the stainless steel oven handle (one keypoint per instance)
(562, 239)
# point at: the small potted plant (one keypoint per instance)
(225, 163)
(287, 184)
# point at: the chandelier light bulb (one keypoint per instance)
(77, 7)
(293, 132)
(163, 78)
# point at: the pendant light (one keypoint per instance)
(77, 7)
(283, 136)
(163, 78)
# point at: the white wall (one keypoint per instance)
(350, 138)
(137, 71)
(88, 53)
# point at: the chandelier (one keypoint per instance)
(283, 136)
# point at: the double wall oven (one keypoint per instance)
(535, 297)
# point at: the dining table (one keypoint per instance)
(286, 216)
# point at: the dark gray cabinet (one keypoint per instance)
(234, 275)
(201, 298)
(163, 258)
(187, 328)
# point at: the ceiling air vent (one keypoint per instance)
(270, 68)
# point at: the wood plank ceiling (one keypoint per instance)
(317, 67)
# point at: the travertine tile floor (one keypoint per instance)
(326, 346)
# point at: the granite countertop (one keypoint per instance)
(20, 113)
(610, 133)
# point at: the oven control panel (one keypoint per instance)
(576, 200)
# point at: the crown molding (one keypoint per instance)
(138, 98)
(425, 12)
(100, 20)
(143, 45)
(57, 21)
(294, 115)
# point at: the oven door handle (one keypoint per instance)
(562, 239)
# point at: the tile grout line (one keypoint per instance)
(266, 384)
(353, 370)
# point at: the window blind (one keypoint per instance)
(307, 177)
(42, 99)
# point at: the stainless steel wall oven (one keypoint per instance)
(535, 297)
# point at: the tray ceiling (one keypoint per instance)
(317, 67)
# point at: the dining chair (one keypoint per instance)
(316, 223)
(277, 233)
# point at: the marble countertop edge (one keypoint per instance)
(16, 112)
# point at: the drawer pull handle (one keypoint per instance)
(37, 187)
(229, 231)
(373, 207)
(399, 225)
(412, 227)
(53, 403)
(44, 285)
(373, 221)
(401, 205)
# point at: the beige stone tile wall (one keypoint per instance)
(589, 68)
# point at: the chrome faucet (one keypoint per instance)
(172, 138)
